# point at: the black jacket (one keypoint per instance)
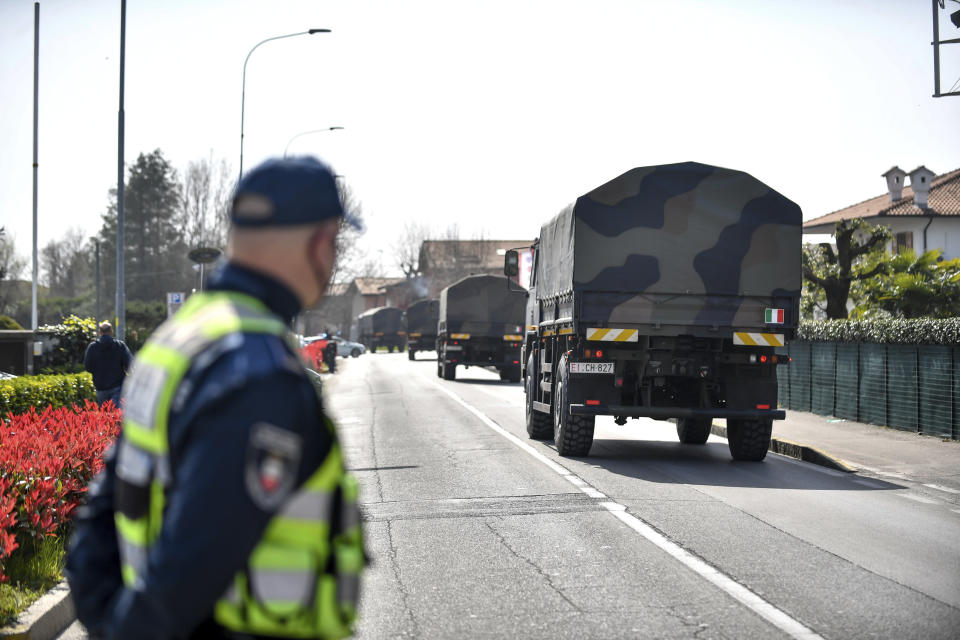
(211, 523)
(108, 360)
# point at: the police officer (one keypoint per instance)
(224, 510)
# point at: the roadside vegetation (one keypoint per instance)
(47, 458)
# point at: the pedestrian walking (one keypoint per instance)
(224, 510)
(108, 359)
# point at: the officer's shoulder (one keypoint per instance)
(259, 354)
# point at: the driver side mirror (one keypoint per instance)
(511, 263)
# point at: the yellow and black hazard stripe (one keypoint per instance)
(758, 339)
(613, 335)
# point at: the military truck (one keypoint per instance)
(421, 318)
(382, 327)
(480, 324)
(662, 294)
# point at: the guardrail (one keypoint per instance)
(909, 387)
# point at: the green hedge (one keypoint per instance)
(883, 331)
(17, 395)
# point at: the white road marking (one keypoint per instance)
(940, 487)
(742, 594)
(911, 496)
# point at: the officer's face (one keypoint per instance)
(322, 251)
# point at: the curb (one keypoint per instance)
(798, 451)
(46, 618)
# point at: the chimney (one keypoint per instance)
(895, 178)
(920, 183)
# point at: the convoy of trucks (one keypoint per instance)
(421, 319)
(382, 327)
(663, 294)
(481, 324)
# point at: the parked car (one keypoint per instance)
(347, 348)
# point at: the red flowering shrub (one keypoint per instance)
(46, 461)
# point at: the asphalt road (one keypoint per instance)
(475, 531)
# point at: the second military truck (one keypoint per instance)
(422, 317)
(663, 294)
(480, 325)
(382, 327)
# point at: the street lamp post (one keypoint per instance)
(96, 243)
(303, 133)
(243, 90)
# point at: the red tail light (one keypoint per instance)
(593, 402)
(763, 358)
(599, 353)
(516, 362)
(763, 406)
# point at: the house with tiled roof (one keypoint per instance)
(443, 262)
(921, 216)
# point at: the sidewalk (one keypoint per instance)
(877, 450)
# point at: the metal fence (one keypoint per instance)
(909, 387)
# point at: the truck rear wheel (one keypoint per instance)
(573, 435)
(749, 439)
(449, 371)
(693, 431)
(510, 374)
(539, 424)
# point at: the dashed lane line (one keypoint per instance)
(916, 498)
(792, 627)
(940, 487)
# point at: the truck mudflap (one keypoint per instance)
(662, 413)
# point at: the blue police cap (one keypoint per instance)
(287, 191)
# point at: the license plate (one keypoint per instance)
(591, 367)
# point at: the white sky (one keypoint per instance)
(489, 115)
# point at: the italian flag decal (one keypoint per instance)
(773, 316)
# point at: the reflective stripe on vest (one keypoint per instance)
(302, 578)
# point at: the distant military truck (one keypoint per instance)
(422, 317)
(480, 324)
(382, 327)
(663, 294)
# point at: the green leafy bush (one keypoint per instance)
(883, 331)
(142, 319)
(17, 395)
(72, 336)
(9, 324)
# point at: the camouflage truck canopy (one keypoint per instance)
(713, 236)
(422, 316)
(381, 320)
(483, 305)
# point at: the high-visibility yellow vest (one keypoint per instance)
(302, 579)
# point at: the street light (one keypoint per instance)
(243, 90)
(303, 133)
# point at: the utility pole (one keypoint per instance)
(96, 243)
(36, 96)
(121, 294)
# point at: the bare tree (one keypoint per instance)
(406, 248)
(11, 267)
(66, 264)
(350, 258)
(205, 202)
